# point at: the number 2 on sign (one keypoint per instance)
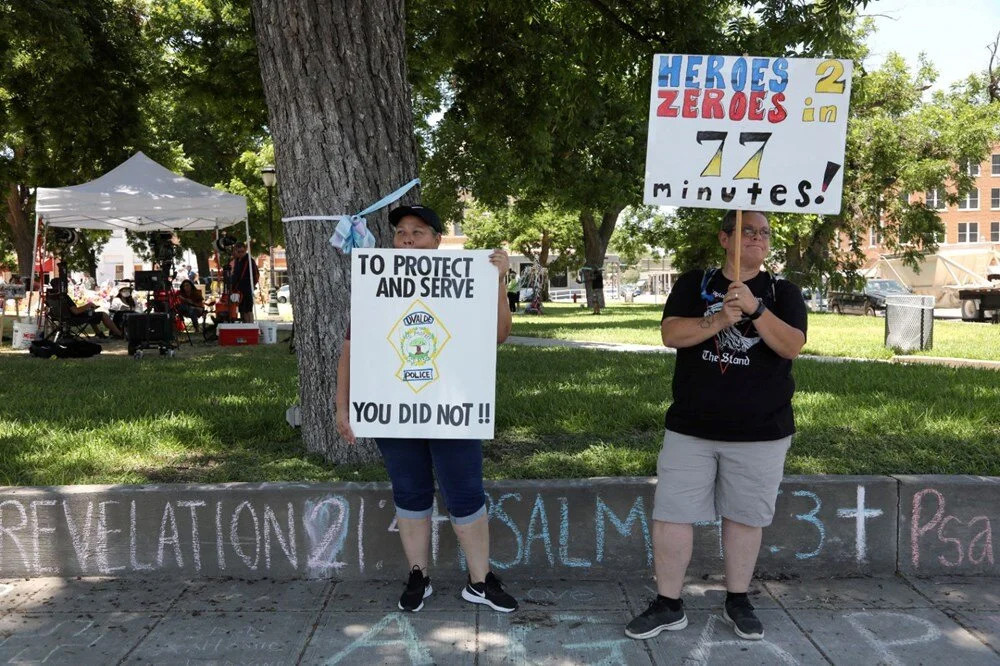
(749, 170)
(832, 72)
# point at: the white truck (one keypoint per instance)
(981, 303)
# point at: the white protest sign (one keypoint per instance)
(8, 291)
(423, 343)
(743, 132)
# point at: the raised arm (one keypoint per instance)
(500, 259)
(679, 332)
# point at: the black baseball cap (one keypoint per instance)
(423, 212)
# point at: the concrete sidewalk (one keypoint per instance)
(892, 620)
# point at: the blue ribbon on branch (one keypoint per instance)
(352, 230)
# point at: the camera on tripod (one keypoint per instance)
(224, 244)
(163, 250)
(65, 237)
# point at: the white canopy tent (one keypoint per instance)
(140, 195)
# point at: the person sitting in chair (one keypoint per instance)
(122, 303)
(87, 313)
(192, 303)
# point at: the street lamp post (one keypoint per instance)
(269, 177)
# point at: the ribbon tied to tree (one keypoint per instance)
(352, 230)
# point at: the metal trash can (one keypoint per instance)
(909, 322)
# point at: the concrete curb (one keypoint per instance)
(824, 526)
(951, 362)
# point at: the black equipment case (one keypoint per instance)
(154, 329)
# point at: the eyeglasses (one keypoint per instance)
(750, 232)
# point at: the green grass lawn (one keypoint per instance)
(829, 334)
(219, 416)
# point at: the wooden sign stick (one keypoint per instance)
(738, 236)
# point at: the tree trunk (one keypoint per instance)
(595, 244)
(201, 258)
(19, 221)
(543, 261)
(339, 106)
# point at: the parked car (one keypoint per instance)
(284, 294)
(870, 301)
(814, 305)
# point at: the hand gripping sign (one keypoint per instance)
(747, 133)
(423, 343)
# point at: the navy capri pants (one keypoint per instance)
(412, 464)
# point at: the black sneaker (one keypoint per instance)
(739, 614)
(658, 617)
(490, 593)
(418, 588)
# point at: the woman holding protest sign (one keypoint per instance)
(736, 331)
(457, 464)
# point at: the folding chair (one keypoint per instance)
(60, 321)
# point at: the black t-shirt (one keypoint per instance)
(733, 387)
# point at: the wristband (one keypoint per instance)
(758, 312)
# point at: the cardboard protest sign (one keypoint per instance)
(748, 133)
(8, 291)
(423, 343)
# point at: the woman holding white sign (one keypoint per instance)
(413, 463)
(736, 331)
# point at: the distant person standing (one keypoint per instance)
(513, 289)
(597, 288)
(244, 277)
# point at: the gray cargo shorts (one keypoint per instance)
(700, 479)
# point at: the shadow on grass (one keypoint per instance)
(560, 413)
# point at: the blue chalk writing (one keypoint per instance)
(811, 518)
(325, 532)
(538, 512)
(496, 511)
(564, 537)
(636, 514)
(408, 640)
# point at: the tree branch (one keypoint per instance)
(628, 29)
(994, 73)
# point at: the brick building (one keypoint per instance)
(970, 247)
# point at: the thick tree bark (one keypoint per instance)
(22, 230)
(595, 242)
(334, 76)
(201, 258)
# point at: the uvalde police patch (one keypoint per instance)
(418, 337)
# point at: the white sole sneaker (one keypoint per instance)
(673, 626)
(476, 599)
(749, 637)
(427, 593)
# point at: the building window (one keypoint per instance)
(558, 280)
(995, 232)
(934, 199)
(904, 198)
(996, 164)
(971, 168)
(874, 237)
(458, 229)
(971, 200)
(995, 198)
(968, 232)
